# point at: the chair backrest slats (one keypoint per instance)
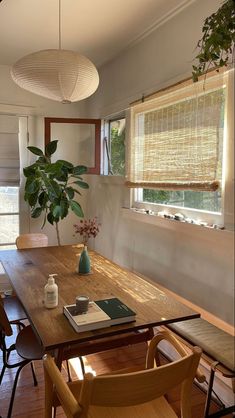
(125, 390)
(31, 241)
(139, 387)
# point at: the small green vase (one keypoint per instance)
(84, 266)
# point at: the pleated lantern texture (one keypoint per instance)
(56, 74)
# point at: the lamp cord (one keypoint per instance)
(59, 24)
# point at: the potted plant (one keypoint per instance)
(50, 188)
(217, 43)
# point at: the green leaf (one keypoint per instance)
(64, 204)
(57, 211)
(32, 199)
(50, 218)
(30, 170)
(79, 169)
(53, 188)
(70, 192)
(36, 212)
(82, 184)
(43, 199)
(54, 168)
(76, 208)
(42, 160)
(32, 185)
(65, 164)
(51, 147)
(76, 191)
(35, 150)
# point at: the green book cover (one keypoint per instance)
(114, 308)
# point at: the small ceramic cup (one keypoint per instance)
(82, 303)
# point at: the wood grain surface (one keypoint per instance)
(28, 271)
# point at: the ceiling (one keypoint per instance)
(99, 29)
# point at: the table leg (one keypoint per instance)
(58, 355)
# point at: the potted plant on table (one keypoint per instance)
(50, 188)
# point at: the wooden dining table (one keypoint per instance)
(28, 271)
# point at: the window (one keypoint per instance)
(9, 180)
(9, 216)
(206, 201)
(114, 144)
(176, 150)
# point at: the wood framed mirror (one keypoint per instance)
(79, 141)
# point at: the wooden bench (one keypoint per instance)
(218, 350)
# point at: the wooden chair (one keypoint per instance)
(27, 347)
(31, 241)
(12, 313)
(127, 393)
(14, 310)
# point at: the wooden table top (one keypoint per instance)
(28, 271)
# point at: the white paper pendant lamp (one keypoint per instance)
(57, 74)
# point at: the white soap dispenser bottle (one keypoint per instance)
(51, 292)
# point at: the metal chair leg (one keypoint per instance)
(13, 390)
(209, 391)
(2, 373)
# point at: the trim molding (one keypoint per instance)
(161, 21)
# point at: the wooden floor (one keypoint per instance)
(29, 399)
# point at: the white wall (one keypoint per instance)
(197, 265)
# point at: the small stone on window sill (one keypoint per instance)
(178, 217)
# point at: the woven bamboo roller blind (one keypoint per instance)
(176, 138)
(9, 151)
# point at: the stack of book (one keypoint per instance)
(100, 314)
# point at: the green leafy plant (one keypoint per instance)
(51, 187)
(217, 43)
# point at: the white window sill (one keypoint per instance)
(191, 229)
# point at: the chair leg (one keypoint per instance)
(2, 373)
(54, 412)
(35, 382)
(82, 365)
(13, 390)
(209, 390)
(5, 357)
(20, 325)
(68, 371)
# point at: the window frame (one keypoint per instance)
(107, 137)
(224, 217)
(97, 124)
